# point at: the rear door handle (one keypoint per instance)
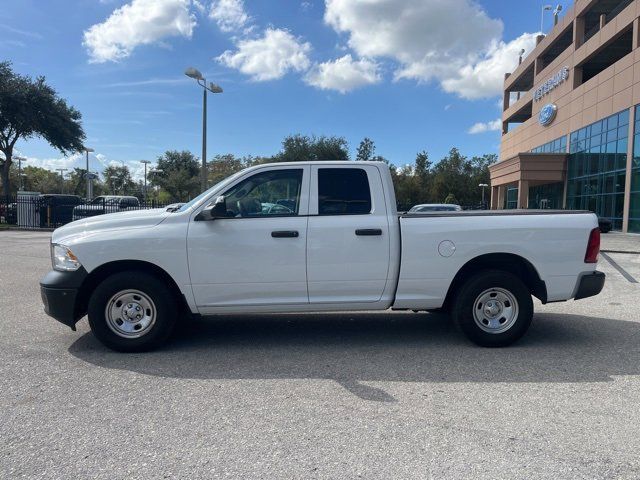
(369, 232)
(285, 234)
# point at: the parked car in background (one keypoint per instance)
(106, 204)
(435, 207)
(9, 213)
(57, 209)
(605, 224)
(337, 244)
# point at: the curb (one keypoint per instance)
(620, 251)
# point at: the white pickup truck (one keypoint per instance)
(310, 237)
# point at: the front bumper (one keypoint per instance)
(589, 284)
(60, 294)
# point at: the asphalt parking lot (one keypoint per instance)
(371, 395)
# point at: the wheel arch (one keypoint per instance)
(97, 275)
(509, 262)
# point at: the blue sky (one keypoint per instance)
(410, 74)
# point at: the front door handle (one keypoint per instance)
(369, 232)
(285, 234)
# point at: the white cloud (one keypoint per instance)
(268, 57)
(148, 82)
(54, 163)
(485, 77)
(343, 74)
(141, 22)
(97, 163)
(229, 14)
(482, 127)
(453, 42)
(18, 31)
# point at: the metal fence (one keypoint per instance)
(35, 211)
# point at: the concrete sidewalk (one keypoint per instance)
(615, 242)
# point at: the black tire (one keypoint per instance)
(163, 299)
(462, 310)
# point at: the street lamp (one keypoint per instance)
(88, 150)
(144, 192)
(556, 11)
(155, 171)
(213, 88)
(20, 159)
(483, 185)
(62, 170)
(545, 8)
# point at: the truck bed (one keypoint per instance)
(494, 213)
(436, 245)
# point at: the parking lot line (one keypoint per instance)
(622, 271)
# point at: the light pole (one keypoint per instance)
(20, 159)
(556, 11)
(483, 185)
(155, 171)
(88, 150)
(144, 192)
(213, 88)
(545, 8)
(61, 170)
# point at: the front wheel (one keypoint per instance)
(132, 312)
(493, 308)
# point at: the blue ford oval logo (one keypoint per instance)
(547, 114)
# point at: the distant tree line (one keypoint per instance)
(176, 177)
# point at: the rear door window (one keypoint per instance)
(343, 191)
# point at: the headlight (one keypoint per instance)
(63, 259)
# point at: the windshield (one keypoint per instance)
(206, 193)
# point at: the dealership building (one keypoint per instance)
(571, 118)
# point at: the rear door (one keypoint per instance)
(348, 235)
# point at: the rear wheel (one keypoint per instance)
(493, 308)
(132, 312)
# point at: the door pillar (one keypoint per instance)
(523, 194)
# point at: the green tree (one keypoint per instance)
(178, 175)
(31, 108)
(223, 166)
(76, 183)
(301, 148)
(41, 180)
(451, 199)
(365, 150)
(452, 175)
(118, 181)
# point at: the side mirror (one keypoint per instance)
(217, 209)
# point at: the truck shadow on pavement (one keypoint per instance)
(381, 347)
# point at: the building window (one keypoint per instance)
(559, 145)
(546, 196)
(605, 57)
(634, 204)
(511, 198)
(596, 167)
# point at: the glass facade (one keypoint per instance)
(634, 204)
(511, 198)
(548, 195)
(559, 145)
(596, 169)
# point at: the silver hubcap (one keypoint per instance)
(130, 313)
(495, 310)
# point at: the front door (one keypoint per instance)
(256, 256)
